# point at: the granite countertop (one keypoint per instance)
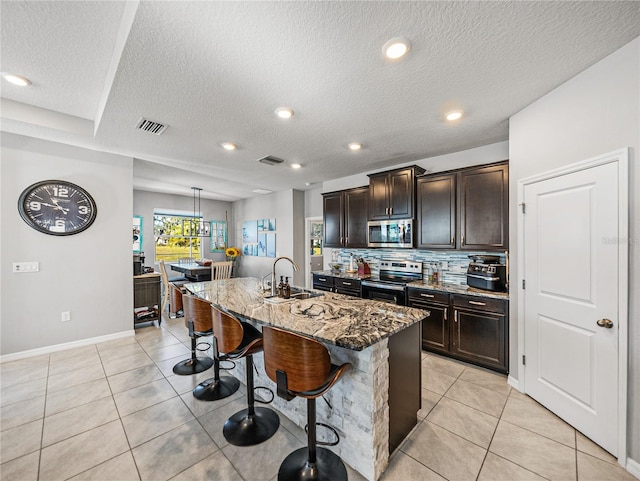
(343, 274)
(331, 318)
(458, 289)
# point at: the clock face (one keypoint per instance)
(57, 207)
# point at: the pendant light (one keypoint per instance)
(196, 226)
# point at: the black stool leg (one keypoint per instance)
(312, 463)
(216, 388)
(194, 364)
(252, 425)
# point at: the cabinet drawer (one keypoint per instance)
(478, 303)
(320, 281)
(428, 296)
(348, 284)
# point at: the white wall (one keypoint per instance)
(287, 207)
(145, 202)
(456, 160)
(89, 274)
(597, 111)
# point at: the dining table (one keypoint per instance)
(192, 271)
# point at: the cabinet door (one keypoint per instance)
(333, 219)
(401, 194)
(484, 210)
(480, 338)
(322, 282)
(378, 197)
(356, 214)
(436, 212)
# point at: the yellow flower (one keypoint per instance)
(232, 252)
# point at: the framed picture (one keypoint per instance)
(137, 234)
(272, 225)
(249, 232)
(271, 244)
(262, 245)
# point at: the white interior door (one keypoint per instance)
(571, 299)
(314, 248)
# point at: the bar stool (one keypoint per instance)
(176, 308)
(301, 367)
(197, 318)
(236, 340)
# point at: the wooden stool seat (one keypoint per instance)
(301, 367)
(197, 318)
(236, 340)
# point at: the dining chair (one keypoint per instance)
(221, 270)
(177, 280)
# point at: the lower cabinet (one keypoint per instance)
(341, 285)
(470, 328)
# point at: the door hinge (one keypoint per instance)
(524, 360)
(523, 284)
(523, 205)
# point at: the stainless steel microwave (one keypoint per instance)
(390, 233)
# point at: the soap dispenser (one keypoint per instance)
(287, 288)
(281, 288)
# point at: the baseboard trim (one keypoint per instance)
(61, 347)
(513, 382)
(633, 467)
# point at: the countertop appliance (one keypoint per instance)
(390, 285)
(486, 272)
(390, 233)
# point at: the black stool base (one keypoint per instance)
(192, 366)
(212, 390)
(244, 430)
(328, 467)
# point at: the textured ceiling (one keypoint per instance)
(216, 71)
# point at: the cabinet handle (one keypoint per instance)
(453, 240)
(428, 295)
(476, 303)
(445, 314)
(322, 279)
(347, 240)
(455, 316)
(462, 240)
(341, 240)
(386, 211)
(346, 283)
(390, 210)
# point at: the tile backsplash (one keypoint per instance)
(457, 261)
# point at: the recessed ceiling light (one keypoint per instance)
(284, 112)
(16, 79)
(355, 146)
(396, 48)
(262, 191)
(295, 166)
(453, 115)
(229, 146)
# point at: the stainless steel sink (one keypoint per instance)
(297, 294)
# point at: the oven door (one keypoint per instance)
(385, 293)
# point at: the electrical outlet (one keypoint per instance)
(66, 316)
(26, 266)
(444, 265)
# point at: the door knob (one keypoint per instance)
(606, 323)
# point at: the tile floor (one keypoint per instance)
(115, 412)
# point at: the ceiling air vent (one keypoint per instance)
(270, 160)
(151, 126)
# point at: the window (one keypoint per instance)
(170, 241)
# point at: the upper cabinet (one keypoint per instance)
(392, 193)
(345, 217)
(465, 209)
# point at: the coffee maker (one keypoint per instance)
(138, 264)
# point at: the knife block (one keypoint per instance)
(364, 270)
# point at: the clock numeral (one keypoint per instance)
(60, 191)
(34, 205)
(59, 226)
(83, 209)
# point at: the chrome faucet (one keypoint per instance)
(273, 272)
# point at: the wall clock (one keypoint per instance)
(57, 207)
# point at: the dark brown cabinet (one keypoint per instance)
(436, 201)
(470, 328)
(341, 285)
(345, 216)
(146, 298)
(392, 193)
(484, 208)
(465, 209)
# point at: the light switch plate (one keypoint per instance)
(26, 266)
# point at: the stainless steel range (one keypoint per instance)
(390, 285)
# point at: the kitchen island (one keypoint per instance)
(375, 405)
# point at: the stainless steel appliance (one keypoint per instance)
(486, 272)
(390, 233)
(390, 285)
